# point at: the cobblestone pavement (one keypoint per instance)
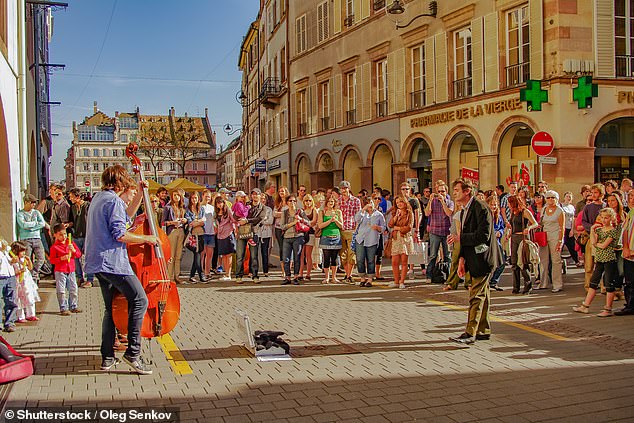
(360, 354)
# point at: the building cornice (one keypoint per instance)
(458, 17)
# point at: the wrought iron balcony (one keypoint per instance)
(351, 117)
(381, 108)
(462, 87)
(624, 66)
(325, 123)
(348, 21)
(302, 129)
(517, 74)
(416, 99)
(379, 4)
(271, 91)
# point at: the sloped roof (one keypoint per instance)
(98, 119)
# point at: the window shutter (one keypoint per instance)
(285, 127)
(294, 116)
(366, 92)
(357, 11)
(491, 55)
(332, 99)
(536, 29)
(441, 67)
(298, 36)
(430, 74)
(365, 8)
(477, 55)
(311, 28)
(604, 38)
(326, 19)
(399, 80)
(391, 75)
(320, 22)
(337, 16)
(338, 101)
(312, 110)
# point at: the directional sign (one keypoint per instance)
(533, 95)
(542, 143)
(584, 92)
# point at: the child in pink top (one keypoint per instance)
(240, 210)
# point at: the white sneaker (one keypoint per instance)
(392, 285)
(225, 278)
(402, 286)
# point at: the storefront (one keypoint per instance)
(614, 150)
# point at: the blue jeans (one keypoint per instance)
(435, 241)
(8, 286)
(35, 246)
(66, 282)
(365, 260)
(132, 290)
(497, 273)
(264, 253)
(241, 246)
(294, 246)
(89, 277)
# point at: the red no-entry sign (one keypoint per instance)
(87, 183)
(542, 143)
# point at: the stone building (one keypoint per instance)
(377, 101)
(100, 141)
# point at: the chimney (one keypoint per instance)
(206, 111)
(137, 112)
(75, 129)
(172, 111)
(94, 107)
(185, 114)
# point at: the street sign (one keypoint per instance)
(542, 143)
(86, 183)
(548, 160)
(471, 175)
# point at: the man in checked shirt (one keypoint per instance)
(349, 206)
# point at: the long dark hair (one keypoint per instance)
(219, 200)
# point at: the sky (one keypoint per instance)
(151, 54)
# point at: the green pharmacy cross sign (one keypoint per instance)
(584, 92)
(533, 95)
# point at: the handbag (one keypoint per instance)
(387, 250)
(191, 243)
(300, 226)
(540, 238)
(245, 231)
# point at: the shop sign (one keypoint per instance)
(471, 175)
(471, 112)
(275, 164)
(413, 182)
(260, 165)
(625, 97)
(336, 146)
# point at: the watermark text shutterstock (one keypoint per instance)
(119, 415)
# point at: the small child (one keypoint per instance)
(62, 255)
(604, 237)
(8, 286)
(27, 294)
(241, 210)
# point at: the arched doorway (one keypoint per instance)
(382, 168)
(515, 150)
(463, 153)
(420, 160)
(303, 173)
(323, 175)
(614, 150)
(6, 206)
(352, 170)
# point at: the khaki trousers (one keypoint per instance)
(588, 265)
(479, 301)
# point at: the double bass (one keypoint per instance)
(149, 263)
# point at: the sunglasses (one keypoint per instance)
(291, 201)
(404, 189)
(548, 198)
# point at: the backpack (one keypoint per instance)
(440, 274)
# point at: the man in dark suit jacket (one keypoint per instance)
(479, 254)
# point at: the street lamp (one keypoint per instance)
(229, 130)
(243, 100)
(397, 8)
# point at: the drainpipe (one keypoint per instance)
(288, 102)
(22, 114)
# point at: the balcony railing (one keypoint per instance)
(302, 129)
(325, 123)
(416, 99)
(381, 108)
(351, 117)
(271, 88)
(462, 87)
(624, 66)
(348, 21)
(517, 74)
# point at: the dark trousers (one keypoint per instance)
(611, 278)
(196, 265)
(265, 244)
(330, 258)
(628, 267)
(8, 286)
(570, 243)
(279, 237)
(515, 243)
(241, 246)
(130, 287)
(214, 259)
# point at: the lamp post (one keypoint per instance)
(397, 8)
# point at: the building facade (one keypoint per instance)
(25, 138)
(264, 64)
(100, 141)
(376, 101)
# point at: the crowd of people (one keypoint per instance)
(335, 236)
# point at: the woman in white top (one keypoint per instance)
(264, 231)
(552, 220)
(569, 216)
